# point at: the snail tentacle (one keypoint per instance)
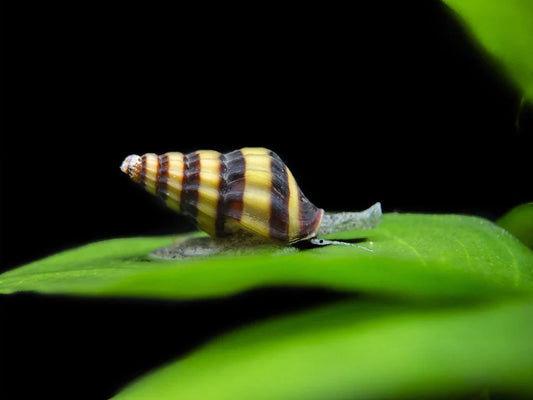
(323, 242)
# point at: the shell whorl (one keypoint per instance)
(250, 190)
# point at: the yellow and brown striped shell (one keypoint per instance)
(249, 190)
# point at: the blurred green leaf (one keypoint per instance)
(504, 28)
(359, 350)
(414, 255)
(519, 221)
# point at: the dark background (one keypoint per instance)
(380, 102)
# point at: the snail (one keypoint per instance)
(248, 191)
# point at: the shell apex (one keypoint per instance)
(132, 167)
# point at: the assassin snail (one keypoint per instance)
(249, 190)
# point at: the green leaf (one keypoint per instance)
(504, 28)
(359, 350)
(414, 255)
(519, 221)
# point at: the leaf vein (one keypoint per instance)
(409, 246)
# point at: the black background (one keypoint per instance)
(378, 102)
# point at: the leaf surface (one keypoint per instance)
(505, 30)
(519, 221)
(359, 350)
(413, 255)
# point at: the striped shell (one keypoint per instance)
(247, 190)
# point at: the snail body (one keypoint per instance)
(248, 190)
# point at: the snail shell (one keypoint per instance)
(248, 190)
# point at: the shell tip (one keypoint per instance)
(131, 166)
